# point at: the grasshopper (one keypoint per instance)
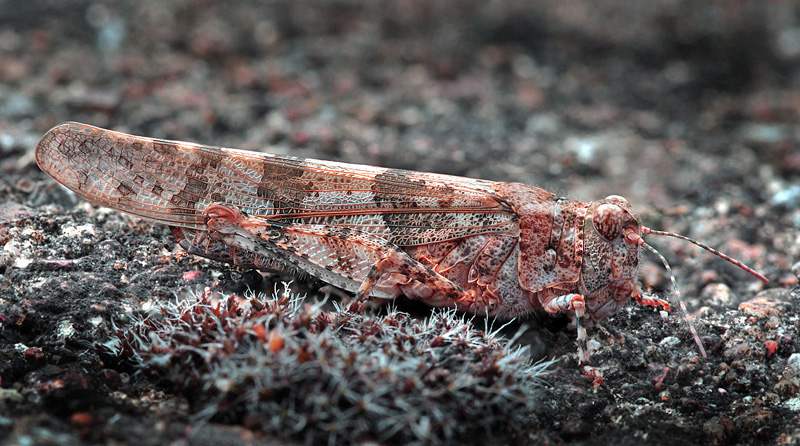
(487, 248)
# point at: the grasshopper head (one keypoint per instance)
(610, 267)
(612, 237)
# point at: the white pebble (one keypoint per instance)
(669, 341)
(792, 369)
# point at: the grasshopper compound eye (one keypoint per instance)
(608, 220)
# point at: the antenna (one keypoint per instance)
(677, 290)
(646, 230)
(632, 236)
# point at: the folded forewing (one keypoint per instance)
(173, 182)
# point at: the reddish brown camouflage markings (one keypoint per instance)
(541, 266)
(491, 259)
(499, 249)
(198, 177)
(126, 189)
(408, 205)
(286, 185)
(167, 149)
(386, 188)
(567, 224)
(339, 232)
(433, 253)
(186, 199)
(445, 199)
(394, 190)
(456, 265)
(125, 162)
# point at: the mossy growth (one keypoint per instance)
(291, 369)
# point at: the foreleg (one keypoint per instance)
(576, 303)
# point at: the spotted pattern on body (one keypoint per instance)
(491, 248)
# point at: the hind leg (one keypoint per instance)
(348, 258)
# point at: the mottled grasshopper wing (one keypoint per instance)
(332, 216)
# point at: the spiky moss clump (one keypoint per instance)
(337, 377)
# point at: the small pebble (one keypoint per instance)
(786, 387)
(792, 369)
(796, 269)
(716, 293)
(81, 419)
(737, 351)
(788, 280)
(191, 276)
(766, 304)
(669, 341)
(583, 148)
(789, 196)
(771, 347)
(793, 404)
(764, 133)
(593, 346)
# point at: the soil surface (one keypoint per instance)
(687, 109)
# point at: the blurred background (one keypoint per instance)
(687, 108)
(536, 92)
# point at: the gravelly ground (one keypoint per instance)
(688, 109)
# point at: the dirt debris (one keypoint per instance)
(688, 112)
